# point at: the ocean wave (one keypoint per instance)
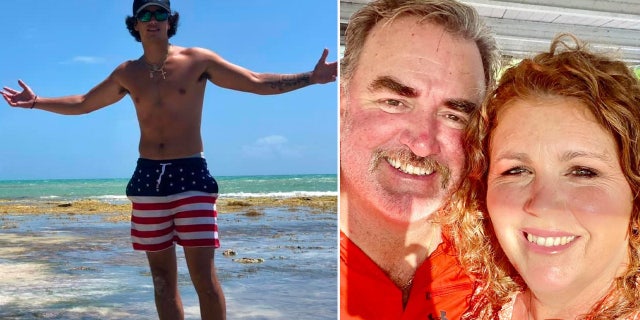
(122, 199)
(50, 197)
(291, 194)
(109, 197)
(119, 198)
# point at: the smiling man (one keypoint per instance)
(172, 192)
(411, 73)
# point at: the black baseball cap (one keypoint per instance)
(138, 5)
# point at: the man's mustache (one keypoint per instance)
(406, 156)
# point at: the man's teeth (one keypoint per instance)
(549, 241)
(410, 169)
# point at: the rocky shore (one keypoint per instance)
(252, 206)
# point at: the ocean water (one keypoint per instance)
(83, 267)
(113, 189)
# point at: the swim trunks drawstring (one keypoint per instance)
(160, 176)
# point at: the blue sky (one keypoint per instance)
(66, 47)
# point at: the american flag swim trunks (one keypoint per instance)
(173, 201)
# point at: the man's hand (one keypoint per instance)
(24, 99)
(324, 72)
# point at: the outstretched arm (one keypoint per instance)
(228, 75)
(104, 94)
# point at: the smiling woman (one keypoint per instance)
(553, 178)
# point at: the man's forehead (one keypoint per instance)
(421, 55)
(406, 23)
(412, 39)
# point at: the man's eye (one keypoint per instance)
(455, 118)
(392, 102)
(392, 105)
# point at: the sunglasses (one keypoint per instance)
(159, 15)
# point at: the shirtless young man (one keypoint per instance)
(172, 192)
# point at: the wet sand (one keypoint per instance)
(254, 206)
(73, 260)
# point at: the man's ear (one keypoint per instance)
(342, 100)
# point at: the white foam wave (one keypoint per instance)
(122, 199)
(110, 197)
(292, 194)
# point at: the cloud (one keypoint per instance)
(273, 146)
(85, 60)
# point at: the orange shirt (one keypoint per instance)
(440, 287)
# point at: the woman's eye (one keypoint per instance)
(515, 171)
(583, 172)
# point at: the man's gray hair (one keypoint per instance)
(457, 18)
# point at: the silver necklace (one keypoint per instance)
(153, 68)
